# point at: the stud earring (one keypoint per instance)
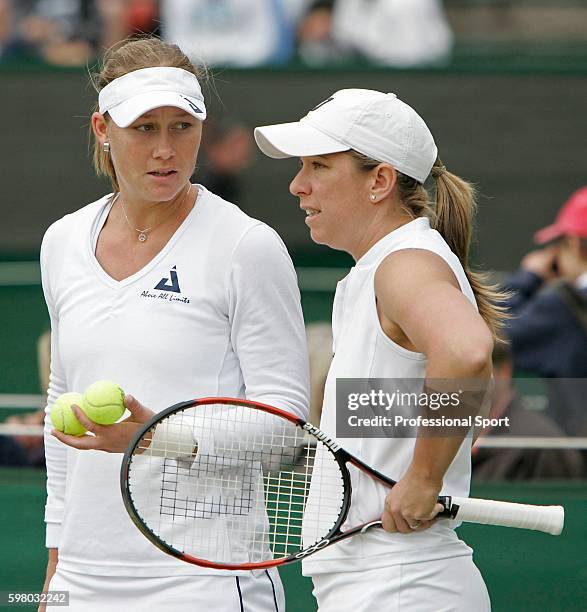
(106, 147)
(373, 196)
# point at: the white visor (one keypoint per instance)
(295, 139)
(127, 98)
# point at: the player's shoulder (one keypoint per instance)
(418, 253)
(224, 213)
(412, 262)
(74, 221)
(231, 223)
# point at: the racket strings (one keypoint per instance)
(234, 496)
(233, 484)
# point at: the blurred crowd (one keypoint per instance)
(70, 32)
(245, 33)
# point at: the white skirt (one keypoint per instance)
(443, 585)
(258, 592)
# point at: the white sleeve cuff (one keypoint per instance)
(53, 535)
(172, 440)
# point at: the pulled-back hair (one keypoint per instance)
(451, 214)
(127, 56)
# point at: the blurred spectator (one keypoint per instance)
(316, 42)
(295, 9)
(12, 454)
(24, 450)
(62, 32)
(122, 18)
(227, 151)
(28, 450)
(71, 32)
(142, 16)
(240, 33)
(400, 33)
(520, 463)
(548, 332)
(6, 24)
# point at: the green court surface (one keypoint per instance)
(525, 571)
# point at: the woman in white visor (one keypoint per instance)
(173, 293)
(410, 309)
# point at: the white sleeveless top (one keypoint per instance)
(363, 350)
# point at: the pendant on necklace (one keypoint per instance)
(142, 237)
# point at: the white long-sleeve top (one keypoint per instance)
(216, 312)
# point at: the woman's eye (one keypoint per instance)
(314, 164)
(183, 125)
(145, 127)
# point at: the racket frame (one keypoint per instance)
(342, 457)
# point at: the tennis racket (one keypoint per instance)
(233, 484)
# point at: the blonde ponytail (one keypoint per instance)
(454, 211)
(453, 219)
(452, 216)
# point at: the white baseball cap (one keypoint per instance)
(136, 93)
(373, 123)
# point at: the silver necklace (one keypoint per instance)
(143, 233)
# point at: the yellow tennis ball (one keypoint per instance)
(104, 402)
(63, 417)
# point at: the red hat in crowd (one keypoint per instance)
(570, 221)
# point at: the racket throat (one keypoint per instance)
(368, 526)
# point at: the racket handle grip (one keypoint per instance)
(549, 519)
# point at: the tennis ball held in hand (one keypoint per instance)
(103, 402)
(63, 417)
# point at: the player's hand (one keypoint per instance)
(110, 438)
(542, 262)
(411, 505)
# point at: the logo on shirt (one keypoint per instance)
(168, 288)
(166, 285)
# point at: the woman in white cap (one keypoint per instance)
(173, 293)
(410, 309)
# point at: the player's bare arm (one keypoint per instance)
(419, 299)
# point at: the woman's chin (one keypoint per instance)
(165, 190)
(319, 237)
